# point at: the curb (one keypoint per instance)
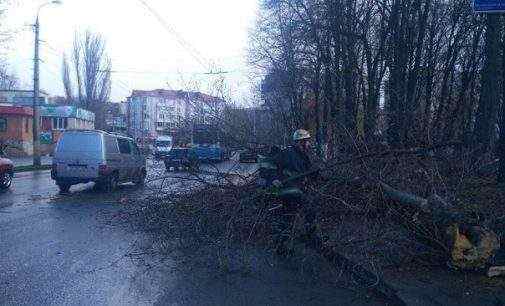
(30, 168)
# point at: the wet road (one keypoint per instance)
(70, 249)
(79, 249)
(63, 250)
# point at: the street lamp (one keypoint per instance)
(36, 89)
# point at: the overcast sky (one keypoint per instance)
(144, 54)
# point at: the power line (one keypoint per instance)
(51, 49)
(205, 63)
(123, 86)
(166, 72)
(191, 50)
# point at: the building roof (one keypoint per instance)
(16, 110)
(42, 92)
(177, 94)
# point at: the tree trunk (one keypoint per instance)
(489, 96)
(501, 141)
(467, 246)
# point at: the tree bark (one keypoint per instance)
(489, 96)
(467, 246)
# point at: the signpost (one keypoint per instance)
(489, 6)
(489, 86)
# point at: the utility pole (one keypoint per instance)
(36, 87)
(36, 116)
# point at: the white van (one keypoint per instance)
(83, 156)
(162, 146)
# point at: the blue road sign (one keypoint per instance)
(489, 6)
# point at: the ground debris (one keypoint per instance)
(356, 217)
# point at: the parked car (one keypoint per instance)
(96, 156)
(6, 173)
(211, 153)
(182, 158)
(162, 146)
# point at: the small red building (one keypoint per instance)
(16, 129)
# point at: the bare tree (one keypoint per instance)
(343, 67)
(67, 82)
(92, 70)
(8, 81)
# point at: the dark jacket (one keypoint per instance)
(291, 162)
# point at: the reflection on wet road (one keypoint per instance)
(79, 249)
(64, 249)
(73, 249)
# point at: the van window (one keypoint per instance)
(111, 146)
(80, 142)
(124, 146)
(3, 125)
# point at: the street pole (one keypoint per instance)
(36, 118)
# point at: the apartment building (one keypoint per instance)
(165, 112)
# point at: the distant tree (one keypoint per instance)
(5, 35)
(92, 70)
(67, 82)
(8, 81)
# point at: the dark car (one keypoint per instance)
(248, 156)
(181, 158)
(252, 155)
(6, 173)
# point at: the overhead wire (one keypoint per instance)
(178, 37)
(116, 82)
(193, 52)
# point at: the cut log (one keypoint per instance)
(496, 271)
(468, 246)
(473, 248)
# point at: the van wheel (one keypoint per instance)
(6, 180)
(112, 183)
(64, 188)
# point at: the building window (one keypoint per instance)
(27, 125)
(3, 125)
(60, 123)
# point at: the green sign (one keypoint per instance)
(66, 112)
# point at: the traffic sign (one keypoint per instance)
(489, 6)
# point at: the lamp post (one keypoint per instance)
(36, 88)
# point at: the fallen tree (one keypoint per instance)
(467, 246)
(356, 211)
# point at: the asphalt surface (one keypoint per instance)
(72, 249)
(64, 249)
(78, 249)
(28, 161)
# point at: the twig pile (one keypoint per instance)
(355, 216)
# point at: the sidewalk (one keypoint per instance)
(28, 161)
